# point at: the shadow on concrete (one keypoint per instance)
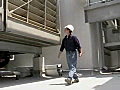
(65, 84)
(7, 82)
(62, 84)
(113, 84)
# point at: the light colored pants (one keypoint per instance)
(72, 63)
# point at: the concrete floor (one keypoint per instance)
(96, 82)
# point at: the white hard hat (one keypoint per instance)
(70, 27)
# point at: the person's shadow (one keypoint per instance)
(65, 84)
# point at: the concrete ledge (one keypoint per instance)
(102, 11)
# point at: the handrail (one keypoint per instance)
(97, 1)
(30, 14)
(20, 6)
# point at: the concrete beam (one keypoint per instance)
(102, 11)
(13, 47)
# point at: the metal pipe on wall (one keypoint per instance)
(100, 46)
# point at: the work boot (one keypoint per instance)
(68, 81)
(75, 77)
(76, 80)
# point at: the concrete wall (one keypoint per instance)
(72, 12)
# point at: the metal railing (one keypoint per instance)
(39, 13)
(111, 34)
(92, 2)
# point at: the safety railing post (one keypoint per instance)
(28, 12)
(45, 14)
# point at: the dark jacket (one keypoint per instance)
(70, 43)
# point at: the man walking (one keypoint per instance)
(71, 44)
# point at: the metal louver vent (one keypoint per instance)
(40, 13)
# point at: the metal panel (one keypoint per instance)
(102, 11)
(113, 46)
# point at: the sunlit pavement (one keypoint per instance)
(99, 82)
